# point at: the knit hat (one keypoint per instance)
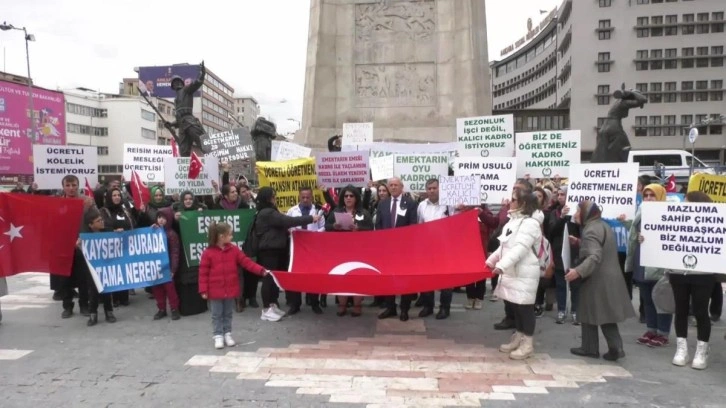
(658, 190)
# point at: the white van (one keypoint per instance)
(677, 162)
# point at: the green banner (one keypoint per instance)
(195, 235)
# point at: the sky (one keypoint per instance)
(259, 47)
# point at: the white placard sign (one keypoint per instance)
(497, 174)
(486, 136)
(547, 154)
(415, 169)
(146, 160)
(357, 134)
(379, 149)
(52, 162)
(176, 170)
(283, 151)
(381, 167)
(684, 236)
(340, 169)
(566, 250)
(455, 190)
(612, 186)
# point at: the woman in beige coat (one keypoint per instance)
(604, 297)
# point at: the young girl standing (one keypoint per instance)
(219, 281)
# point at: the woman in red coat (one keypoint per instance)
(219, 281)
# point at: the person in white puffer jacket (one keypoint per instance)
(516, 262)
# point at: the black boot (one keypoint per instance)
(175, 314)
(613, 355)
(443, 314)
(160, 315)
(404, 316)
(110, 318)
(426, 311)
(579, 351)
(388, 313)
(84, 311)
(323, 300)
(253, 303)
(505, 324)
(67, 311)
(92, 319)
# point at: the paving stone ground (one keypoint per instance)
(323, 361)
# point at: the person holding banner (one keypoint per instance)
(187, 278)
(349, 207)
(604, 297)
(93, 222)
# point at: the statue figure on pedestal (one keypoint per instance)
(190, 129)
(612, 144)
(263, 133)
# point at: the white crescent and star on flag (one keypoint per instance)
(13, 232)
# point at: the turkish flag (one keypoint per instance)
(88, 191)
(671, 184)
(441, 254)
(195, 166)
(38, 233)
(174, 148)
(139, 191)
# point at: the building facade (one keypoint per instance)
(670, 50)
(246, 111)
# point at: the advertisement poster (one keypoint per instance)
(156, 81)
(16, 138)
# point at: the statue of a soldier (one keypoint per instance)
(190, 129)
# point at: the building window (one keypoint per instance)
(146, 115)
(603, 94)
(656, 31)
(687, 62)
(656, 55)
(716, 127)
(671, 129)
(605, 3)
(686, 96)
(671, 29)
(641, 87)
(656, 89)
(641, 123)
(641, 64)
(688, 29)
(102, 150)
(717, 25)
(604, 30)
(604, 62)
(148, 134)
(600, 122)
(643, 1)
(670, 95)
(641, 31)
(655, 129)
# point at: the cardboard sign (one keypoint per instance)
(381, 167)
(357, 134)
(52, 163)
(547, 154)
(415, 169)
(684, 236)
(283, 151)
(612, 186)
(127, 260)
(230, 145)
(486, 136)
(194, 228)
(287, 178)
(379, 149)
(146, 160)
(712, 185)
(455, 190)
(340, 169)
(176, 170)
(497, 175)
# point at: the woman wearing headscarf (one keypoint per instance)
(157, 202)
(350, 203)
(187, 279)
(230, 199)
(517, 263)
(658, 324)
(604, 299)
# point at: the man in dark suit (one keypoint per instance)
(395, 212)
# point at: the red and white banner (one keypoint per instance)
(436, 255)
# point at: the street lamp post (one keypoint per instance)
(28, 37)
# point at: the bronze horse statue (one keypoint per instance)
(612, 142)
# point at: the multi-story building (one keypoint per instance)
(670, 50)
(107, 121)
(246, 111)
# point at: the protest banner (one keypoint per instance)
(612, 186)
(176, 176)
(194, 228)
(670, 197)
(566, 250)
(547, 154)
(282, 151)
(381, 167)
(127, 260)
(485, 136)
(621, 232)
(455, 190)
(712, 185)
(230, 145)
(287, 178)
(497, 174)
(357, 134)
(340, 169)
(684, 236)
(52, 163)
(415, 169)
(380, 149)
(146, 160)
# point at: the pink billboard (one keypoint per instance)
(16, 136)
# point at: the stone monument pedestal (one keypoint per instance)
(410, 67)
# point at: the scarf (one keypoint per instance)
(227, 205)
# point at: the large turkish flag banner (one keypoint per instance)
(436, 255)
(38, 233)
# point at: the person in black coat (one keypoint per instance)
(186, 280)
(397, 211)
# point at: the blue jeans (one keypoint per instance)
(561, 292)
(222, 311)
(656, 322)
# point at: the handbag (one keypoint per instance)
(663, 296)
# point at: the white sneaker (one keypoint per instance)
(477, 304)
(218, 342)
(276, 309)
(681, 357)
(469, 304)
(494, 298)
(270, 315)
(228, 340)
(700, 359)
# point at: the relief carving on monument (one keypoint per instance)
(388, 85)
(409, 20)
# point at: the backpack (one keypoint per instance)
(251, 246)
(545, 257)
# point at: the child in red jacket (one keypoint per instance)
(219, 280)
